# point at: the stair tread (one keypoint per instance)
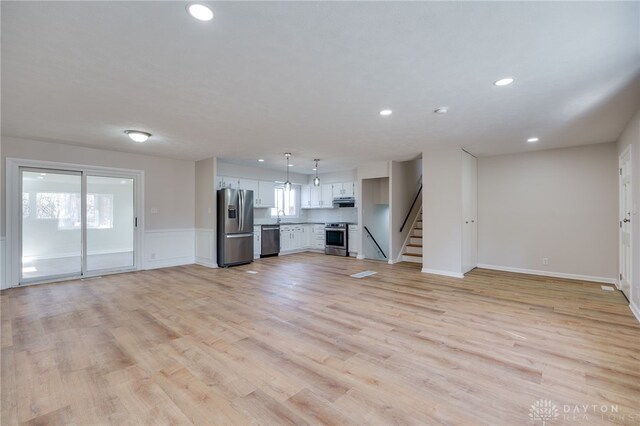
(412, 254)
(414, 245)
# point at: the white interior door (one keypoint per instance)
(626, 204)
(469, 212)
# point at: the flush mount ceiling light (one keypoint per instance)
(137, 135)
(287, 183)
(385, 112)
(441, 110)
(316, 180)
(503, 81)
(532, 140)
(200, 11)
(260, 160)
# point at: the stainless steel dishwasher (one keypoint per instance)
(270, 245)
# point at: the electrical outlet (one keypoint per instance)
(153, 256)
(545, 261)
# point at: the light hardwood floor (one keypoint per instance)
(301, 342)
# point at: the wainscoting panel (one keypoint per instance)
(168, 247)
(205, 248)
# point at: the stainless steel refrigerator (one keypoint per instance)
(235, 227)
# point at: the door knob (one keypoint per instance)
(626, 220)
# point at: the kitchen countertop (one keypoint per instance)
(298, 223)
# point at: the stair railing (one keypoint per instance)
(411, 208)
(375, 242)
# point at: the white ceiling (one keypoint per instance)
(263, 78)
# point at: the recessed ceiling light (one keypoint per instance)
(314, 169)
(43, 174)
(532, 140)
(441, 110)
(260, 160)
(503, 81)
(386, 112)
(290, 165)
(200, 11)
(137, 135)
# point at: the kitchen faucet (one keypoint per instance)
(278, 214)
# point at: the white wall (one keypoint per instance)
(205, 212)
(559, 204)
(442, 211)
(631, 136)
(405, 179)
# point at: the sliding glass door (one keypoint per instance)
(74, 224)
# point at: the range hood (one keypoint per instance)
(344, 202)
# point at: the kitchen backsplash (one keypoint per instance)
(345, 214)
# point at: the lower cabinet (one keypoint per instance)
(352, 242)
(301, 237)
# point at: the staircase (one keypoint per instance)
(413, 246)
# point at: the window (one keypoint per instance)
(65, 207)
(286, 201)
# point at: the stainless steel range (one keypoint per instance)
(336, 239)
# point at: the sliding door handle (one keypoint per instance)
(626, 220)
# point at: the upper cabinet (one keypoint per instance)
(345, 189)
(321, 197)
(266, 194)
(263, 191)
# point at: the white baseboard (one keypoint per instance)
(635, 310)
(550, 274)
(444, 273)
(168, 262)
(360, 257)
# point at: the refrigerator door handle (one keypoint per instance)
(247, 235)
(241, 209)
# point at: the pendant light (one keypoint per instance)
(316, 180)
(287, 183)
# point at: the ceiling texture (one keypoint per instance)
(264, 78)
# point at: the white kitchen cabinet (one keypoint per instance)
(326, 198)
(223, 182)
(292, 238)
(316, 196)
(352, 242)
(297, 236)
(469, 212)
(305, 197)
(257, 241)
(266, 191)
(285, 238)
(263, 191)
(317, 237)
(345, 189)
